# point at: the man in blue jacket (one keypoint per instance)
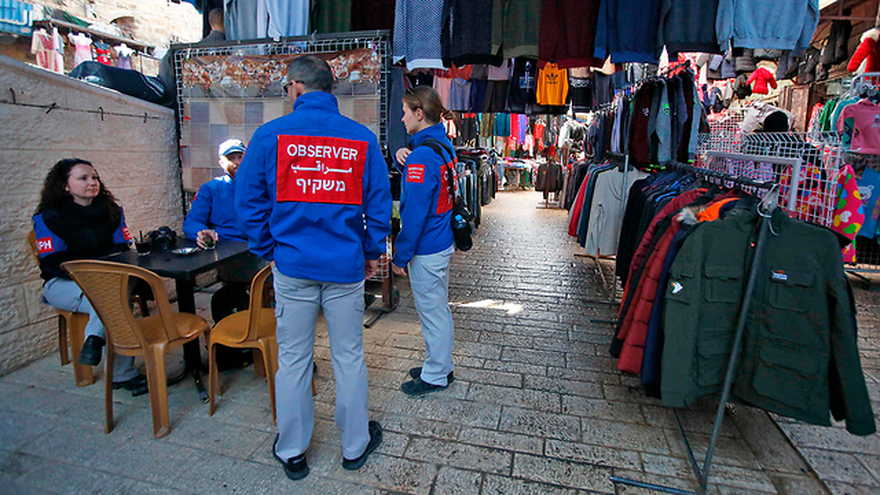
(211, 216)
(425, 243)
(211, 219)
(313, 196)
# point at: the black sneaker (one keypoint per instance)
(90, 354)
(417, 373)
(137, 385)
(296, 468)
(416, 387)
(375, 441)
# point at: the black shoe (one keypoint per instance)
(137, 385)
(90, 354)
(375, 441)
(417, 373)
(296, 468)
(416, 387)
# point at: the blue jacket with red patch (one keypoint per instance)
(76, 232)
(425, 199)
(312, 193)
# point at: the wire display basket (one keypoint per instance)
(805, 167)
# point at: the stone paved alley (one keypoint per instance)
(538, 407)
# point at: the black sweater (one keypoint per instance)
(87, 232)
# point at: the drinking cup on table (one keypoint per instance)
(143, 246)
(208, 240)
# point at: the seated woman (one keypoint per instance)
(78, 218)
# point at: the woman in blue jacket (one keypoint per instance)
(78, 218)
(425, 243)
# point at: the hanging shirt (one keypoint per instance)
(581, 93)
(689, 26)
(552, 85)
(58, 53)
(849, 212)
(522, 85)
(103, 53)
(515, 130)
(331, 16)
(417, 30)
(522, 19)
(523, 122)
(247, 19)
(865, 117)
(567, 39)
(460, 95)
(627, 30)
(123, 54)
(780, 24)
(869, 190)
(502, 125)
(465, 38)
(443, 87)
(287, 18)
(500, 73)
(43, 46)
(762, 78)
(82, 48)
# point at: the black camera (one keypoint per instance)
(163, 239)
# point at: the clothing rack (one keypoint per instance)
(94, 33)
(611, 285)
(765, 209)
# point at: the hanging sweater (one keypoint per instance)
(688, 26)
(762, 78)
(417, 34)
(867, 56)
(627, 30)
(780, 24)
(521, 21)
(465, 38)
(565, 38)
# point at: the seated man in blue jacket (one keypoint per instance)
(211, 219)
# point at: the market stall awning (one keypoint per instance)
(15, 17)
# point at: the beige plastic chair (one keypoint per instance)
(71, 328)
(106, 285)
(253, 328)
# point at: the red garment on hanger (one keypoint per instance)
(103, 56)
(867, 52)
(762, 77)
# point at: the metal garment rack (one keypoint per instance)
(768, 204)
(611, 285)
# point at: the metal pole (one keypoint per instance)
(650, 486)
(763, 228)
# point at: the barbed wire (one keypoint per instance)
(99, 111)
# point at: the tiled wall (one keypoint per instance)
(210, 121)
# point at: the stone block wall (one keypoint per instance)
(137, 160)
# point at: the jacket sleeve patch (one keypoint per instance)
(320, 169)
(45, 245)
(415, 173)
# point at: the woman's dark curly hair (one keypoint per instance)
(55, 195)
